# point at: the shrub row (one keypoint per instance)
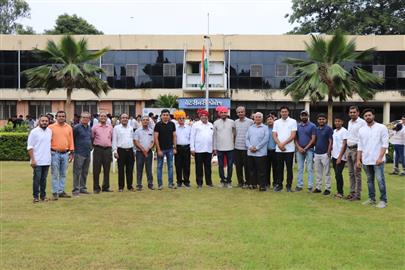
(13, 146)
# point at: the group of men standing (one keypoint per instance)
(259, 150)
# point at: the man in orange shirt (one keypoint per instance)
(62, 152)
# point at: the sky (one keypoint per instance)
(167, 17)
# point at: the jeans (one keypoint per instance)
(39, 181)
(229, 158)
(338, 168)
(142, 161)
(287, 159)
(168, 153)
(80, 171)
(399, 156)
(322, 168)
(377, 172)
(59, 166)
(241, 166)
(308, 159)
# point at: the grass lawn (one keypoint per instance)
(197, 229)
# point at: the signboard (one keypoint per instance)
(198, 103)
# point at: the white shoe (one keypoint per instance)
(221, 185)
(229, 185)
(381, 204)
(368, 202)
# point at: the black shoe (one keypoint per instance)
(278, 189)
(317, 191)
(289, 189)
(187, 185)
(84, 192)
(210, 186)
(97, 191)
(172, 186)
(64, 195)
(138, 188)
(326, 192)
(179, 185)
(120, 190)
(35, 200)
(298, 189)
(151, 187)
(55, 196)
(310, 189)
(263, 189)
(107, 190)
(199, 186)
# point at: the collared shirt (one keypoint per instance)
(305, 131)
(398, 137)
(40, 141)
(201, 137)
(122, 137)
(371, 140)
(284, 129)
(62, 137)
(257, 136)
(145, 137)
(338, 137)
(224, 134)
(241, 128)
(82, 139)
(183, 134)
(165, 137)
(271, 145)
(102, 135)
(353, 128)
(323, 135)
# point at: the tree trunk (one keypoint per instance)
(330, 110)
(69, 95)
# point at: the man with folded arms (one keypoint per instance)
(39, 150)
(144, 141)
(82, 140)
(62, 147)
(122, 146)
(102, 134)
(372, 145)
(257, 138)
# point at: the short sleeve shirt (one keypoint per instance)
(165, 136)
(338, 137)
(284, 129)
(322, 139)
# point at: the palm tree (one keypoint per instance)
(167, 101)
(68, 68)
(322, 74)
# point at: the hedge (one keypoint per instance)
(13, 146)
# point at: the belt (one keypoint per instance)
(352, 147)
(60, 152)
(125, 149)
(183, 146)
(102, 147)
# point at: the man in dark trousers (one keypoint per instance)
(182, 158)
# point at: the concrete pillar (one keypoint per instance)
(307, 106)
(22, 108)
(105, 106)
(386, 112)
(139, 105)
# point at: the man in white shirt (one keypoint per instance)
(201, 148)
(224, 136)
(122, 147)
(354, 126)
(284, 131)
(182, 157)
(39, 150)
(373, 143)
(397, 139)
(338, 154)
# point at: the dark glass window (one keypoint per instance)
(8, 109)
(38, 108)
(85, 106)
(120, 107)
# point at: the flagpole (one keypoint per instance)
(207, 38)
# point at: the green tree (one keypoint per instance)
(72, 25)
(323, 75)
(10, 12)
(167, 101)
(68, 68)
(25, 30)
(359, 17)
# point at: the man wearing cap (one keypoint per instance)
(304, 142)
(224, 136)
(201, 148)
(182, 158)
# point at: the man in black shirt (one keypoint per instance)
(165, 141)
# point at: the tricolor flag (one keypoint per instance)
(204, 68)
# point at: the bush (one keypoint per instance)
(13, 146)
(18, 129)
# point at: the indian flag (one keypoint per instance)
(204, 68)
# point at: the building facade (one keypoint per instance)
(248, 70)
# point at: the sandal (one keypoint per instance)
(339, 196)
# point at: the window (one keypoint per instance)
(193, 67)
(401, 71)
(132, 70)
(108, 69)
(120, 107)
(379, 70)
(7, 109)
(169, 70)
(85, 106)
(281, 70)
(37, 108)
(256, 71)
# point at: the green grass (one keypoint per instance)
(197, 229)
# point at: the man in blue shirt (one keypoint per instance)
(257, 138)
(323, 148)
(271, 163)
(83, 146)
(304, 142)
